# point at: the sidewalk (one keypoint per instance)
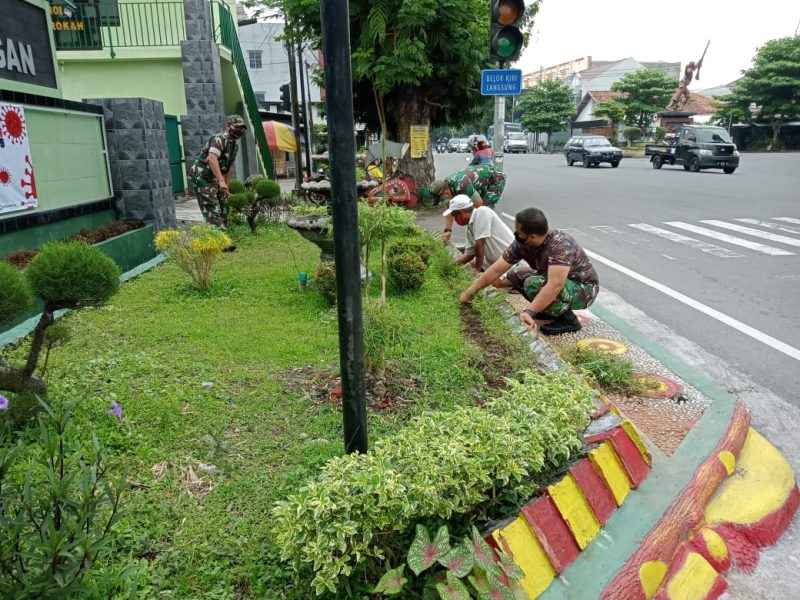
(657, 541)
(187, 209)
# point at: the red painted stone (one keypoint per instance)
(595, 489)
(600, 412)
(552, 532)
(632, 459)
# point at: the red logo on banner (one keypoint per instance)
(12, 125)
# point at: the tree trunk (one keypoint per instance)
(407, 107)
(36, 343)
(776, 125)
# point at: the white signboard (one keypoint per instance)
(17, 180)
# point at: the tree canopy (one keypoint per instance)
(613, 111)
(548, 107)
(644, 93)
(772, 85)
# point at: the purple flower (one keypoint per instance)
(116, 410)
(3, 402)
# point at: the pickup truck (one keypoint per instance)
(697, 147)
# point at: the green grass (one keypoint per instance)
(613, 374)
(152, 347)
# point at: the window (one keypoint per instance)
(255, 58)
(260, 98)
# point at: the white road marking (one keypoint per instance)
(718, 251)
(669, 257)
(509, 217)
(724, 237)
(766, 235)
(767, 224)
(757, 335)
(787, 219)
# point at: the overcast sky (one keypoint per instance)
(669, 30)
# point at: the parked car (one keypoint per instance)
(515, 142)
(463, 145)
(697, 147)
(591, 150)
(452, 145)
(473, 140)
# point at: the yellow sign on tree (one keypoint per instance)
(419, 140)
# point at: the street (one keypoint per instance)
(713, 257)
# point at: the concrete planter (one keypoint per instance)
(313, 228)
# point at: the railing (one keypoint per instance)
(224, 30)
(118, 25)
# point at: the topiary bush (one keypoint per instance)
(440, 466)
(406, 272)
(15, 294)
(252, 201)
(420, 246)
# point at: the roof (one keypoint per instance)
(598, 97)
(598, 68)
(702, 105)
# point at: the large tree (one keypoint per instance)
(772, 85)
(415, 62)
(547, 107)
(644, 93)
(613, 111)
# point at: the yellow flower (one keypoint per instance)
(167, 238)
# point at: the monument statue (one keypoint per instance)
(692, 71)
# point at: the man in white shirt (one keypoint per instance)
(487, 235)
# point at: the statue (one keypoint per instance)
(692, 71)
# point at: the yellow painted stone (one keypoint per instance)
(729, 460)
(715, 544)
(605, 458)
(761, 485)
(638, 441)
(603, 345)
(529, 556)
(651, 574)
(575, 510)
(693, 581)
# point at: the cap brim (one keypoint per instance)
(449, 211)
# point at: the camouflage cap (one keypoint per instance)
(436, 187)
(235, 121)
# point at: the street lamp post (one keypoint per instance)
(342, 153)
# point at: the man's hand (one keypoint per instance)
(466, 296)
(446, 236)
(223, 185)
(528, 321)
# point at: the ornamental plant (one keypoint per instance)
(263, 195)
(325, 278)
(65, 275)
(406, 272)
(58, 506)
(194, 250)
(439, 467)
(383, 329)
(421, 246)
(15, 294)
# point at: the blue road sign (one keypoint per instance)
(501, 82)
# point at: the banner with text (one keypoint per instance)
(17, 181)
(419, 140)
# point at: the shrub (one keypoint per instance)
(633, 134)
(659, 133)
(15, 294)
(72, 275)
(612, 373)
(326, 281)
(21, 258)
(56, 514)
(406, 272)
(383, 330)
(194, 250)
(440, 465)
(251, 201)
(415, 245)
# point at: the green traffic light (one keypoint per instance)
(506, 46)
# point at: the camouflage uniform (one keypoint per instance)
(481, 179)
(213, 204)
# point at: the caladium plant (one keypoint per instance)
(392, 582)
(458, 561)
(424, 552)
(482, 552)
(453, 589)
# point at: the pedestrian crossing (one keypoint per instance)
(772, 236)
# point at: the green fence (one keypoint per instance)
(224, 28)
(125, 25)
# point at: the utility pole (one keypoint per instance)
(306, 111)
(498, 131)
(311, 135)
(298, 155)
(342, 150)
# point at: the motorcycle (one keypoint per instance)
(441, 147)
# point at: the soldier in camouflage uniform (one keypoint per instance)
(482, 183)
(213, 170)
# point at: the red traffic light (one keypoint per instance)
(507, 12)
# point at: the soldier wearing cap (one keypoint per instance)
(213, 170)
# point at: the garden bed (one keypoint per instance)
(223, 416)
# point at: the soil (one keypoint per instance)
(494, 361)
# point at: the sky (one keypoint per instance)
(669, 30)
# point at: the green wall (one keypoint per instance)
(34, 238)
(160, 79)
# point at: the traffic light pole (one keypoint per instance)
(298, 154)
(342, 151)
(306, 108)
(498, 131)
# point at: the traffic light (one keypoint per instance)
(505, 36)
(286, 98)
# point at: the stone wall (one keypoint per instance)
(137, 153)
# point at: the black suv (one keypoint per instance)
(591, 150)
(697, 147)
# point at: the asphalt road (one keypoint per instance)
(671, 243)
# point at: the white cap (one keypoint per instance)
(460, 202)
